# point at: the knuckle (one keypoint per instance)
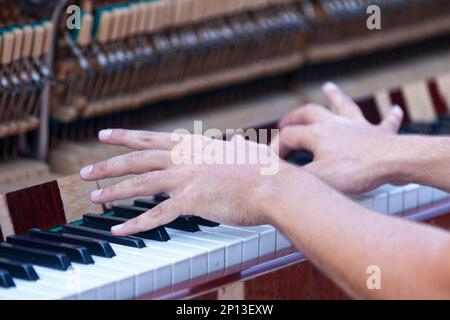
(147, 137)
(138, 156)
(137, 224)
(285, 133)
(187, 171)
(142, 220)
(316, 129)
(309, 107)
(102, 166)
(134, 222)
(140, 180)
(195, 196)
(111, 190)
(158, 211)
(119, 133)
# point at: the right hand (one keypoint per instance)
(350, 154)
(194, 171)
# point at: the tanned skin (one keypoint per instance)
(308, 204)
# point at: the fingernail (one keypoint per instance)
(116, 228)
(96, 193)
(397, 110)
(86, 171)
(104, 134)
(330, 86)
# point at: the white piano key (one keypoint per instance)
(250, 240)
(419, 102)
(380, 200)
(86, 285)
(179, 264)
(128, 288)
(215, 251)
(124, 276)
(425, 195)
(410, 196)
(198, 259)
(162, 272)
(267, 238)
(119, 283)
(143, 274)
(233, 246)
(42, 287)
(116, 278)
(21, 293)
(38, 290)
(282, 242)
(366, 202)
(395, 200)
(439, 194)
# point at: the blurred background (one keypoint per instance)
(66, 72)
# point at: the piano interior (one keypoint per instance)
(71, 68)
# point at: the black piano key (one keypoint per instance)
(76, 253)
(418, 128)
(96, 247)
(205, 222)
(49, 259)
(145, 203)
(128, 212)
(103, 235)
(150, 203)
(443, 130)
(184, 223)
(443, 127)
(6, 280)
(301, 157)
(106, 222)
(160, 197)
(444, 119)
(19, 270)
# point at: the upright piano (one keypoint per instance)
(159, 65)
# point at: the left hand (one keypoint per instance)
(350, 154)
(232, 194)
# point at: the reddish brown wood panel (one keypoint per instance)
(39, 206)
(442, 222)
(368, 107)
(207, 296)
(439, 103)
(398, 99)
(300, 281)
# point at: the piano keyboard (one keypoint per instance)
(82, 260)
(394, 200)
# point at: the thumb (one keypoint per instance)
(293, 138)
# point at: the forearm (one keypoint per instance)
(419, 159)
(343, 240)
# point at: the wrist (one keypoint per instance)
(282, 191)
(414, 159)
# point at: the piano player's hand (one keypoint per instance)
(350, 154)
(232, 194)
